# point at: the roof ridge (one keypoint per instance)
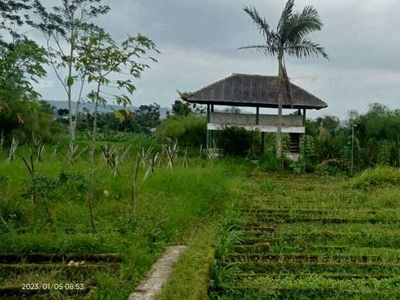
(261, 75)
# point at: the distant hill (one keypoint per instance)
(101, 109)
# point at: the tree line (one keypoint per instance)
(82, 55)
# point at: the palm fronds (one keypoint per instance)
(306, 48)
(285, 17)
(271, 46)
(291, 33)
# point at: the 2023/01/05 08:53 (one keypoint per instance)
(53, 286)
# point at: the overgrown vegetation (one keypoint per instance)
(310, 237)
(377, 177)
(171, 204)
(235, 141)
(95, 198)
(189, 131)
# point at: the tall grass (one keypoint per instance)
(171, 204)
(379, 176)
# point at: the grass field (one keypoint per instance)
(250, 234)
(52, 241)
(309, 237)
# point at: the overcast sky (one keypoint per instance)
(198, 42)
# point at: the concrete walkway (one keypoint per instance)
(158, 275)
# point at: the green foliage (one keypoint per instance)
(148, 116)
(298, 167)
(4, 179)
(66, 24)
(291, 32)
(377, 177)
(384, 153)
(99, 58)
(67, 187)
(27, 119)
(306, 162)
(13, 14)
(21, 64)
(269, 162)
(378, 133)
(307, 147)
(181, 109)
(167, 204)
(307, 237)
(351, 156)
(189, 131)
(328, 167)
(172, 206)
(363, 141)
(141, 121)
(228, 240)
(328, 139)
(185, 206)
(235, 141)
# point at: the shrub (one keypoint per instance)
(379, 176)
(328, 167)
(190, 131)
(270, 162)
(235, 141)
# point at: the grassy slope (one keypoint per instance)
(332, 222)
(190, 278)
(171, 205)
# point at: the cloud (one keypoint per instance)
(198, 41)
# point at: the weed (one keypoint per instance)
(377, 177)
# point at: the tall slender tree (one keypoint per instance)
(105, 63)
(289, 38)
(63, 27)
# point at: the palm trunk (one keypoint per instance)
(280, 102)
(286, 82)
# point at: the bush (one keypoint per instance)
(190, 131)
(269, 162)
(328, 167)
(235, 141)
(380, 176)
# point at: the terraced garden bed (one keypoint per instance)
(321, 241)
(42, 275)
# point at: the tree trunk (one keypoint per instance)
(134, 186)
(92, 163)
(280, 103)
(69, 89)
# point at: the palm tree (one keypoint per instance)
(289, 38)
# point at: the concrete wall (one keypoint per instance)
(250, 119)
(261, 128)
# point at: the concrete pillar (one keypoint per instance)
(258, 116)
(208, 144)
(262, 133)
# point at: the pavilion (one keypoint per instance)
(259, 91)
